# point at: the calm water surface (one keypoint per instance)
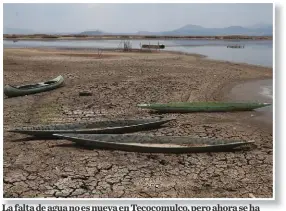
(254, 52)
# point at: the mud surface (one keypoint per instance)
(257, 90)
(119, 81)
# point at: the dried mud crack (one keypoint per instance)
(117, 83)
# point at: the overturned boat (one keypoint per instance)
(184, 107)
(14, 91)
(155, 144)
(109, 126)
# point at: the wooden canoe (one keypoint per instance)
(115, 126)
(156, 144)
(14, 91)
(184, 107)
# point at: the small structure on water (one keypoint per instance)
(158, 46)
(153, 46)
(235, 46)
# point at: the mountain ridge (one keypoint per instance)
(260, 29)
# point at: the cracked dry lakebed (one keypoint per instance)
(118, 82)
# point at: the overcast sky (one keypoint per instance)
(131, 17)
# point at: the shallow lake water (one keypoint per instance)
(254, 52)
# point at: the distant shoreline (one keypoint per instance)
(129, 37)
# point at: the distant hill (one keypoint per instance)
(97, 32)
(265, 30)
(187, 30)
(145, 33)
(196, 30)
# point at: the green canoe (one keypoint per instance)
(155, 144)
(108, 126)
(184, 107)
(14, 91)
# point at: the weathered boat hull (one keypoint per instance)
(109, 127)
(185, 107)
(143, 143)
(11, 91)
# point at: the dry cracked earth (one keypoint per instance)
(119, 81)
